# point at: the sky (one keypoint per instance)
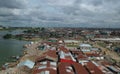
(60, 13)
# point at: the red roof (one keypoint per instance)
(75, 68)
(105, 63)
(92, 54)
(80, 69)
(67, 61)
(49, 54)
(80, 57)
(93, 69)
(51, 43)
(49, 68)
(65, 50)
(52, 71)
(77, 52)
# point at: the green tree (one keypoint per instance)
(7, 36)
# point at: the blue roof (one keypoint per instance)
(27, 63)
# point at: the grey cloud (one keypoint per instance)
(12, 3)
(5, 12)
(89, 12)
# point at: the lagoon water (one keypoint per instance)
(10, 47)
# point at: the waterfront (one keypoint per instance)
(10, 47)
(60, 49)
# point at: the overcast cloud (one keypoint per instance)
(82, 13)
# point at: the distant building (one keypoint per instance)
(94, 56)
(71, 42)
(90, 36)
(85, 47)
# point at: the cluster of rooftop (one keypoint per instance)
(56, 58)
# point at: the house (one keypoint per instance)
(95, 49)
(62, 48)
(90, 35)
(65, 55)
(80, 56)
(52, 40)
(94, 56)
(45, 66)
(82, 59)
(26, 63)
(47, 63)
(92, 68)
(50, 43)
(26, 66)
(85, 47)
(49, 54)
(76, 52)
(71, 42)
(67, 68)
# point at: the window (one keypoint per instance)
(42, 67)
(45, 62)
(53, 63)
(44, 72)
(69, 69)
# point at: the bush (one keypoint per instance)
(7, 36)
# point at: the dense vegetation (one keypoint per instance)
(7, 36)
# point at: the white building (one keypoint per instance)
(85, 47)
(71, 42)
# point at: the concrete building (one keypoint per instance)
(85, 47)
(71, 42)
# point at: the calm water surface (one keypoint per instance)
(10, 47)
